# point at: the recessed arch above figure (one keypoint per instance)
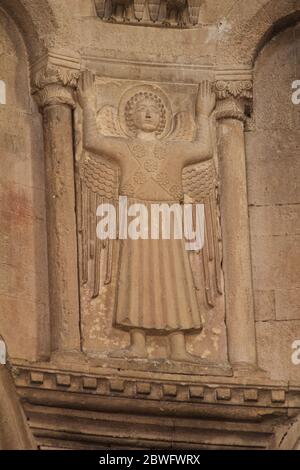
(247, 28)
(36, 24)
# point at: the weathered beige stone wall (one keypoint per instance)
(230, 33)
(59, 37)
(274, 203)
(23, 263)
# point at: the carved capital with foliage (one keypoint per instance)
(53, 80)
(234, 99)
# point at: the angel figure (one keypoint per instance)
(155, 290)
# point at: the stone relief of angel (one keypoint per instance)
(140, 152)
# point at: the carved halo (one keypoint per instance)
(135, 94)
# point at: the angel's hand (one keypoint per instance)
(206, 99)
(86, 89)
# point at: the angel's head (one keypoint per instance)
(145, 112)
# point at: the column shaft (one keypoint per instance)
(236, 243)
(61, 228)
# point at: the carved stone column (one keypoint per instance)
(53, 90)
(232, 99)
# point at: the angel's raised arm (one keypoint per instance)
(112, 147)
(201, 148)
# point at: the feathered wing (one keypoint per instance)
(98, 182)
(108, 122)
(200, 185)
(194, 11)
(184, 126)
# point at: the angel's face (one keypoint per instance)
(147, 116)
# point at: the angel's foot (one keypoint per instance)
(129, 353)
(184, 356)
(178, 350)
(137, 348)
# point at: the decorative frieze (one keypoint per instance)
(159, 13)
(130, 388)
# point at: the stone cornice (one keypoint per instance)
(210, 390)
(96, 400)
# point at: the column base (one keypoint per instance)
(244, 369)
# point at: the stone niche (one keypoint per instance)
(99, 336)
(23, 274)
(274, 204)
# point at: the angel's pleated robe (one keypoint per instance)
(155, 284)
(156, 289)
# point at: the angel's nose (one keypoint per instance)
(148, 114)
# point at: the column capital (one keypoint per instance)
(54, 78)
(232, 98)
(238, 89)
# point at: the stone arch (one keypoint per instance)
(247, 28)
(272, 172)
(35, 21)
